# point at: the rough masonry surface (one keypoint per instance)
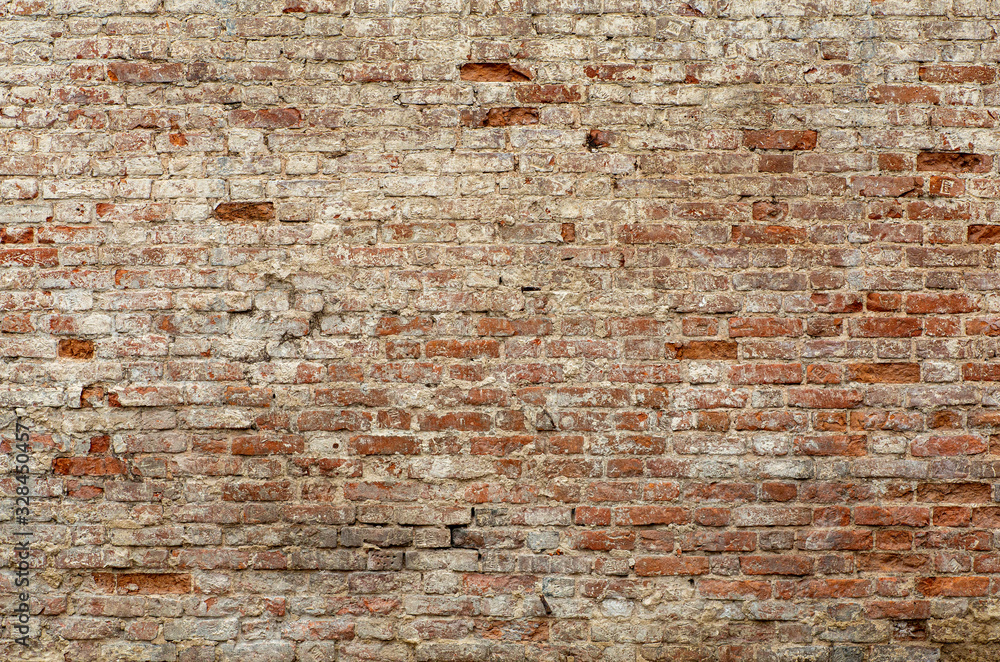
(502, 330)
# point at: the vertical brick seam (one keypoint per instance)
(488, 330)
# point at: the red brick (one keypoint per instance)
(888, 187)
(696, 350)
(895, 162)
(886, 562)
(614, 72)
(606, 540)
(488, 326)
(463, 349)
(653, 233)
(825, 398)
(144, 583)
(785, 564)
(939, 211)
(29, 257)
(770, 420)
(937, 445)
(468, 421)
(830, 421)
(88, 466)
(660, 566)
(954, 492)
(922, 304)
(904, 94)
(883, 302)
(776, 163)
(592, 516)
(312, 6)
(798, 140)
(771, 211)
(777, 373)
(735, 589)
(953, 587)
(330, 420)
(883, 373)
(891, 516)
(764, 327)
(257, 491)
(778, 491)
(988, 516)
(952, 73)
(898, 609)
(886, 327)
(548, 93)
(384, 445)
(712, 516)
(395, 72)
(835, 539)
(779, 235)
(721, 492)
(852, 445)
(824, 373)
(17, 235)
(952, 516)
(268, 445)
(648, 515)
(140, 72)
(834, 588)
(268, 118)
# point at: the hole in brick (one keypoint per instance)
(568, 232)
(245, 212)
(16, 235)
(493, 72)
(954, 162)
(597, 139)
(501, 116)
(100, 444)
(75, 348)
(91, 395)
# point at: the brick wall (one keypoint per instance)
(503, 330)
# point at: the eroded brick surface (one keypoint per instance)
(503, 330)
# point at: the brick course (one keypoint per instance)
(492, 330)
